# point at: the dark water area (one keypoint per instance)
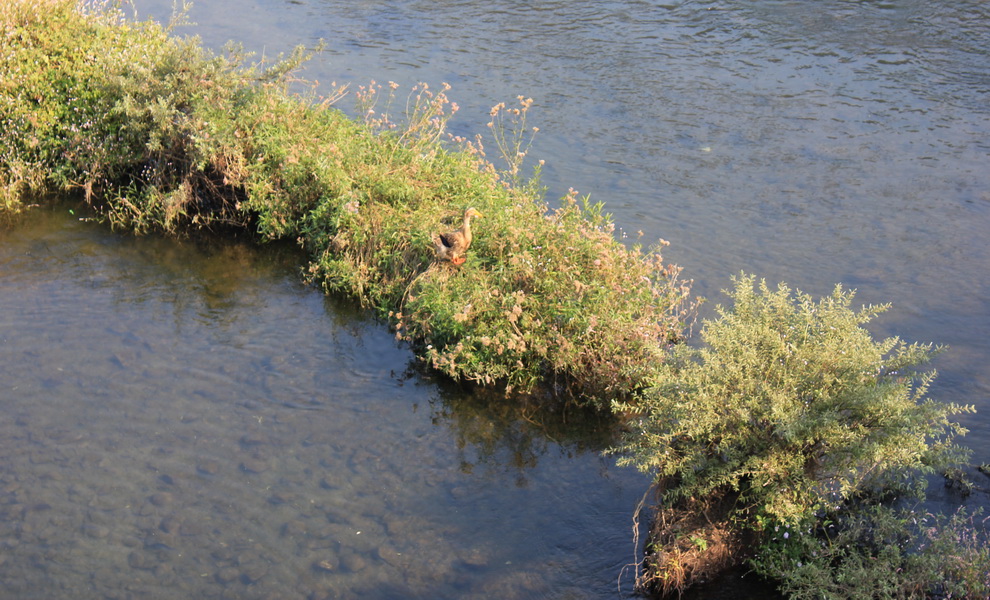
(187, 420)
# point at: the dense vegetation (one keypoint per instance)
(159, 134)
(794, 406)
(789, 417)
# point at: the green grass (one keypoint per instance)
(159, 134)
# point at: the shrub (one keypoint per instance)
(790, 408)
(793, 405)
(94, 103)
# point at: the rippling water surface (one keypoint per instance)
(187, 420)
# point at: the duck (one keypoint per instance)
(452, 246)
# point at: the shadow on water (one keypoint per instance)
(513, 433)
(183, 418)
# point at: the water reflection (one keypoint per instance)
(184, 419)
(513, 433)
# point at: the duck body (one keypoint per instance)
(453, 245)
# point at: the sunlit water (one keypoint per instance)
(188, 421)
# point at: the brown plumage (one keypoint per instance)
(452, 246)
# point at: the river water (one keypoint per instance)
(186, 420)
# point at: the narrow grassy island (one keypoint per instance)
(789, 418)
(159, 134)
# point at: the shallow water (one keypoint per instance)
(187, 420)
